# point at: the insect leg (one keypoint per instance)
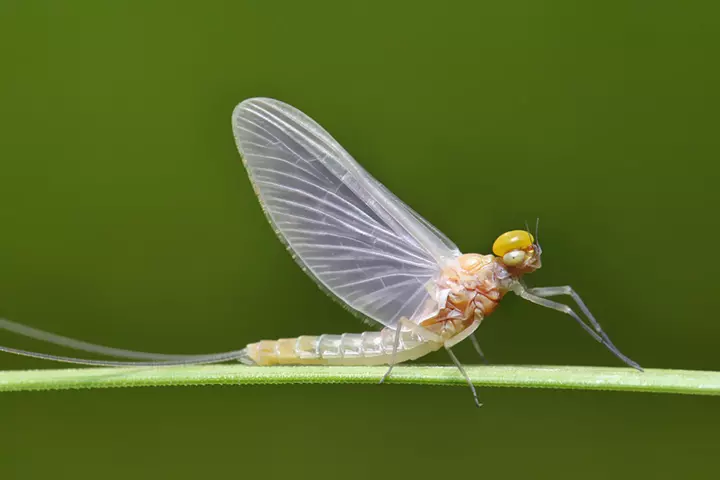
(396, 345)
(421, 332)
(476, 344)
(567, 290)
(600, 336)
(464, 373)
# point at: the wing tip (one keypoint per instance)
(244, 111)
(254, 101)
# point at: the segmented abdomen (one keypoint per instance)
(367, 348)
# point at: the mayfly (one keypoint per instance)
(365, 247)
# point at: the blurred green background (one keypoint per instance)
(126, 218)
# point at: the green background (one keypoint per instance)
(126, 218)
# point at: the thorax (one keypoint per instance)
(474, 284)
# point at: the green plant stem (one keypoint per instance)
(580, 378)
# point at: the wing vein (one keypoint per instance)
(356, 239)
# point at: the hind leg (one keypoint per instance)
(418, 330)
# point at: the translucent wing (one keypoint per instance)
(358, 240)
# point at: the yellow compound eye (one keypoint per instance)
(512, 240)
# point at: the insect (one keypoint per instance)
(365, 247)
